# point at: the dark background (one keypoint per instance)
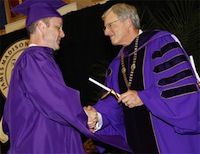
(2, 15)
(85, 51)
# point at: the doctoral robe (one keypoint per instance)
(170, 94)
(41, 113)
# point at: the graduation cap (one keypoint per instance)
(38, 9)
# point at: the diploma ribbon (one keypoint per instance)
(110, 92)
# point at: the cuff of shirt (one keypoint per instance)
(99, 123)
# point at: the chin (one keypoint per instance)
(113, 43)
(57, 48)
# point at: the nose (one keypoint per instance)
(106, 31)
(62, 34)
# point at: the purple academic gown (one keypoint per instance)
(41, 113)
(171, 94)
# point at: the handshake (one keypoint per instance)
(94, 118)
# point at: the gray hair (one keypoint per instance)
(124, 11)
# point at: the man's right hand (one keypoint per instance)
(92, 117)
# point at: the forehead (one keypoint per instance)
(56, 20)
(109, 17)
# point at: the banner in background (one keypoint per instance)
(7, 62)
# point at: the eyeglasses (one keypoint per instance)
(109, 25)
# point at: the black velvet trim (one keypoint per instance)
(169, 64)
(139, 131)
(179, 91)
(175, 78)
(165, 49)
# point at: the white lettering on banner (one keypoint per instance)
(7, 63)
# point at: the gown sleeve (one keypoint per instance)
(110, 109)
(171, 90)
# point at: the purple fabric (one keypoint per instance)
(42, 114)
(38, 9)
(175, 120)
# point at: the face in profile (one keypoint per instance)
(54, 33)
(116, 29)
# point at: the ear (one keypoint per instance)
(41, 26)
(129, 22)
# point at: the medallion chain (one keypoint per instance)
(133, 66)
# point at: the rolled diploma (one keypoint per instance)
(101, 85)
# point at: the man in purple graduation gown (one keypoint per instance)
(159, 101)
(42, 114)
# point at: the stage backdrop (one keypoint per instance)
(85, 51)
